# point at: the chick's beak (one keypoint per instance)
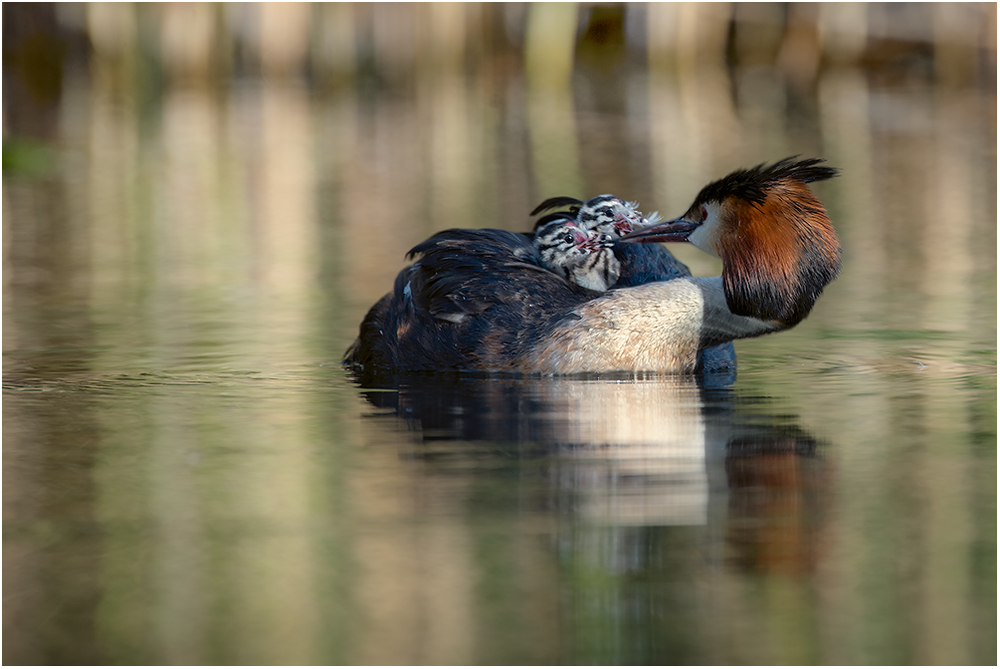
(676, 230)
(626, 223)
(596, 242)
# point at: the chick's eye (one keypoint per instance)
(568, 238)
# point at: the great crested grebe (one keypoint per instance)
(471, 302)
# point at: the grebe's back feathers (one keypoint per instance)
(475, 299)
(432, 317)
(464, 272)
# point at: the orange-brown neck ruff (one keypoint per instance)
(778, 254)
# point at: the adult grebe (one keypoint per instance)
(472, 302)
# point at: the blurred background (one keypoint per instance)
(201, 201)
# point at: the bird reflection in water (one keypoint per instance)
(626, 453)
(779, 490)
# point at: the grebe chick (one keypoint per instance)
(610, 215)
(606, 214)
(581, 256)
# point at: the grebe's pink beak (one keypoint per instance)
(676, 230)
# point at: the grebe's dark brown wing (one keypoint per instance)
(473, 299)
(476, 299)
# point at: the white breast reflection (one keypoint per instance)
(632, 452)
(622, 452)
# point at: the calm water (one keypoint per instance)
(191, 477)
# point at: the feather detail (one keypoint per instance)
(778, 252)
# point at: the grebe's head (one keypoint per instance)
(604, 214)
(581, 256)
(777, 245)
(611, 216)
(561, 243)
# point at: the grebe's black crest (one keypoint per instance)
(752, 184)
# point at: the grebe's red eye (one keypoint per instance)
(704, 213)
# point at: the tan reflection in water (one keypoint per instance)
(693, 125)
(847, 132)
(454, 119)
(622, 455)
(429, 576)
(199, 255)
(549, 44)
(278, 575)
(620, 458)
(635, 452)
(377, 197)
(953, 196)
